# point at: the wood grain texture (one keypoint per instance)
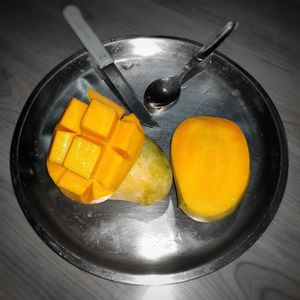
(34, 38)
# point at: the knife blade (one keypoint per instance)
(115, 79)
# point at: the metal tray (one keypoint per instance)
(127, 242)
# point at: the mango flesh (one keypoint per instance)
(93, 148)
(211, 166)
(150, 178)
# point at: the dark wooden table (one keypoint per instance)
(34, 38)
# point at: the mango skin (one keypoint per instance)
(211, 166)
(149, 180)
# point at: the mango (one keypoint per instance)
(211, 165)
(95, 147)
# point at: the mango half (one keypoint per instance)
(95, 146)
(211, 166)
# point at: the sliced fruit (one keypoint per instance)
(93, 149)
(211, 165)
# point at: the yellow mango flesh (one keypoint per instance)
(82, 157)
(211, 166)
(55, 170)
(60, 146)
(93, 148)
(96, 127)
(71, 119)
(74, 186)
(93, 95)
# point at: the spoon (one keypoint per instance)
(164, 93)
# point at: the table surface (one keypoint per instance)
(34, 38)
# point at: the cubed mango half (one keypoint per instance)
(93, 148)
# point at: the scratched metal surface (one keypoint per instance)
(127, 242)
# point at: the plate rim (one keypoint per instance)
(243, 243)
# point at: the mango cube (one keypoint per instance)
(82, 157)
(74, 185)
(60, 146)
(125, 133)
(71, 119)
(93, 95)
(99, 190)
(55, 170)
(133, 119)
(99, 121)
(106, 173)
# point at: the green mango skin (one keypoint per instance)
(149, 180)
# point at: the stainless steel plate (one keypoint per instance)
(159, 244)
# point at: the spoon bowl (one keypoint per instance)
(166, 91)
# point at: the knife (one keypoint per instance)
(117, 82)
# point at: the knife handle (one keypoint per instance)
(85, 34)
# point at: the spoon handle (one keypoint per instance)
(213, 43)
(207, 48)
